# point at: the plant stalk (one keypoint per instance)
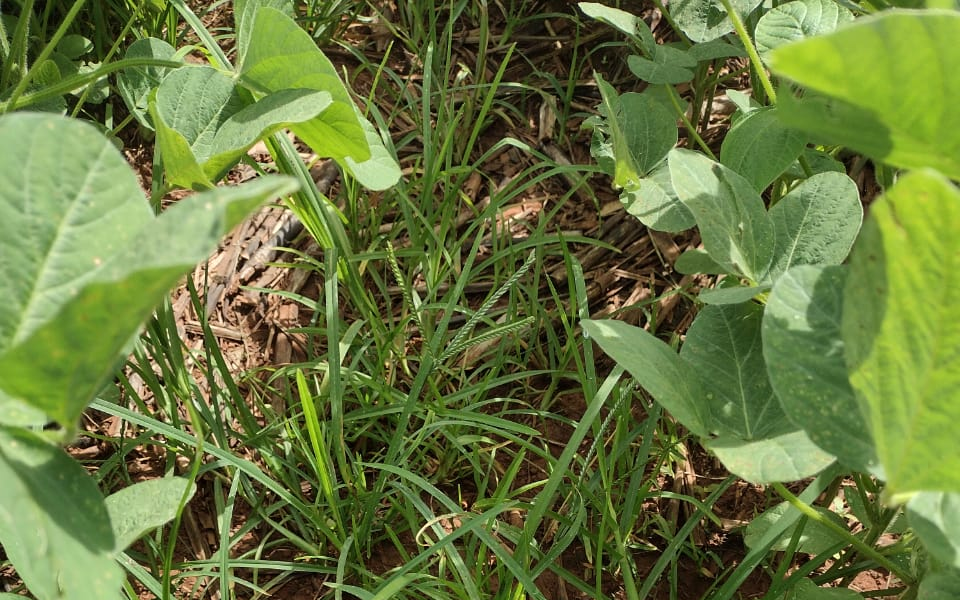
(854, 541)
(751, 50)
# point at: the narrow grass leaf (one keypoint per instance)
(885, 86)
(731, 216)
(901, 332)
(803, 351)
(53, 523)
(797, 20)
(760, 148)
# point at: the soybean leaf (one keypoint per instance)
(816, 223)
(885, 86)
(136, 83)
(656, 204)
(902, 335)
(754, 438)
(935, 517)
(815, 538)
(705, 20)
(808, 590)
(697, 261)
(243, 14)
(818, 161)
(281, 55)
(715, 49)
(760, 148)
(202, 108)
(786, 457)
(621, 20)
(731, 295)
(797, 20)
(92, 261)
(657, 368)
(667, 65)
(641, 129)
(138, 508)
(723, 347)
(53, 523)
(803, 351)
(729, 212)
(943, 585)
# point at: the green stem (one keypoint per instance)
(751, 50)
(676, 100)
(47, 51)
(842, 532)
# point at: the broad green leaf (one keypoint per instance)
(657, 368)
(760, 148)
(626, 171)
(815, 538)
(786, 457)
(891, 83)
(91, 259)
(935, 517)
(754, 438)
(715, 49)
(280, 56)
(202, 109)
(943, 585)
(53, 523)
(256, 121)
(621, 20)
(73, 46)
(729, 212)
(136, 83)
(138, 508)
(818, 161)
(243, 16)
(902, 332)
(797, 20)
(803, 351)
(69, 357)
(667, 65)
(808, 590)
(816, 223)
(697, 261)
(641, 128)
(381, 170)
(68, 202)
(723, 347)
(656, 204)
(705, 20)
(731, 295)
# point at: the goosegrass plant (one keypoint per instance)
(802, 362)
